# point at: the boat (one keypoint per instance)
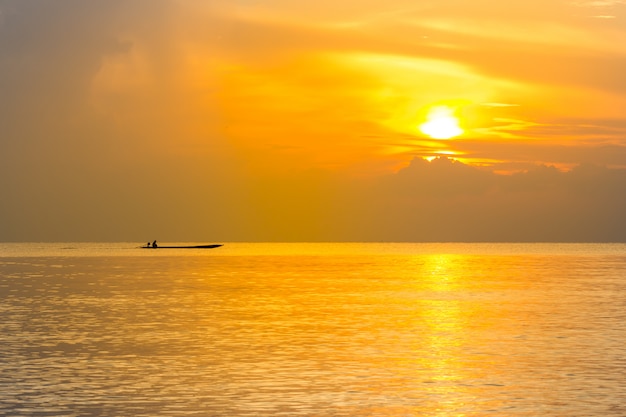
(182, 247)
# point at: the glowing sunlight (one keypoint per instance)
(441, 123)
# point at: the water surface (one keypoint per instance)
(313, 330)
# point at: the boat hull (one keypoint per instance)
(183, 247)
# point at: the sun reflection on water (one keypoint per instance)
(442, 315)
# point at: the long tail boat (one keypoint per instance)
(182, 247)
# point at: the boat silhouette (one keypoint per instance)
(182, 247)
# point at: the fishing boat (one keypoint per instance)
(181, 247)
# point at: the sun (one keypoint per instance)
(441, 123)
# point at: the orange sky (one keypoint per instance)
(282, 120)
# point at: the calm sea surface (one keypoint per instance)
(313, 330)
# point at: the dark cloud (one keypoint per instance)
(445, 200)
(72, 171)
(50, 50)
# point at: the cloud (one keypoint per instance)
(100, 137)
(446, 200)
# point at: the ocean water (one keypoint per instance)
(346, 329)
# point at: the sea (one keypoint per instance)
(313, 329)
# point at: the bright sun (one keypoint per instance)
(441, 123)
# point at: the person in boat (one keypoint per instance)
(148, 245)
(154, 244)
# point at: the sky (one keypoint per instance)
(276, 120)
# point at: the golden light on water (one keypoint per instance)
(441, 123)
